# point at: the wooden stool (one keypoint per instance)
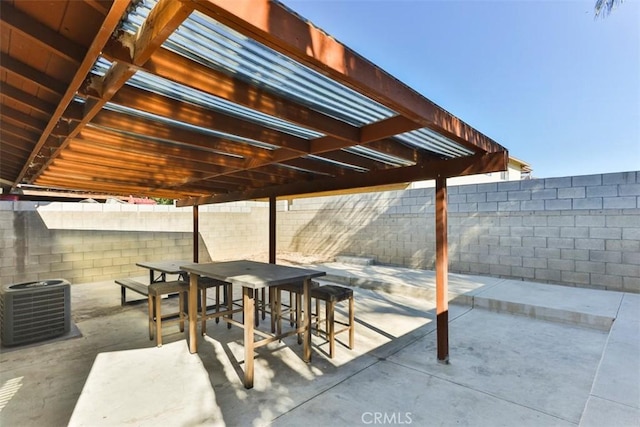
(156, 291)
(294, 308)
(205, 283)
(332, 294)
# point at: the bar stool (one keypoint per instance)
(155, 292)
(331, 295)
(205, 283)
(294, 309)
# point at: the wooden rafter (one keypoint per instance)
(309, 45)
(85, 61)
(148, 39)
(479, 163)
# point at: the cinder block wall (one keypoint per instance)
(579, 231)
(85, 242)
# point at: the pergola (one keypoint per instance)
(210, 101)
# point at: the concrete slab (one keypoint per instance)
(403, 281)
(133, 387)
(618, 377)
(373, 397)
(588, 307)
(601, 412)
(505, 369)
(546, 366)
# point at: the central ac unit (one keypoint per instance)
(35, 311)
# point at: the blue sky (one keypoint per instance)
(558, 88)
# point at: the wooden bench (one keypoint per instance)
(133, 285)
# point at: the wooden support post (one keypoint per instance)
(272, 229)
(196, 234)
(248, 306)
(193, 313)
(442, 270)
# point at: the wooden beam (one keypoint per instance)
(386, 128)
(118, 188)
(164, 18)
(26, 100)
(272, 229)
(26, 72)
(147, 128)
(18, 131)
(85, 61)
(18, 117)
(181, 70)
(148, 39)
(196, 236)
(154, 154)
(275, 26)
(442, 271)
(478, 163)
(41, 35)
(142, 100)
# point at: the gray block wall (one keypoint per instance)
(577, 231)
(84, 242)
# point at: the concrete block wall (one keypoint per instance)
(84, 242)
(578, 231)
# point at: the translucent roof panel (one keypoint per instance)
(155, 84)
(210, 43)
(432, 141)
(187, 126)
(214, 45)
(378, 156)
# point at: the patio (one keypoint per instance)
(521, 353)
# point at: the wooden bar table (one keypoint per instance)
(252, 276)
(164, 268)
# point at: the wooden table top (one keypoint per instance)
(252, 274)
(169, 267)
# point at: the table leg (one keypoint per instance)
(193, 313)
(306, 296)
(248, 301)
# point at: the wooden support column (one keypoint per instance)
(272, 229)
(442, 270)
(196, 234)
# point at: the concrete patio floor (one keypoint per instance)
(520, 354)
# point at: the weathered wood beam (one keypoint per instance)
(28, 73)
(478, 163)
(152, 129)
(86, 60)
(153, 152)
(442, 272)
(18, 117)
(18, 131)
(26, 100)
(181, 70)
(198, 116)
(166, 12)
(385, 128)
(41, 35)
(275, 26)
(124, 188)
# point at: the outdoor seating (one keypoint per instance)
(156, 319)
(331, 295)
(205, 283)
(294, 308)
(132, 285)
